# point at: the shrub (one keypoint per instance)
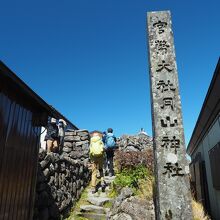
(138, 178)
(132, 159)
(130, 177)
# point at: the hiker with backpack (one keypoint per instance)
(110, 145)
(96, 153)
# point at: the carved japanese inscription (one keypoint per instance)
(171, 166)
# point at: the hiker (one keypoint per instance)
(104, 136)
(61, 132)
(96, 152)
(110, 145)
(51, 137)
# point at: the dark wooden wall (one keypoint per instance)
(19, 142)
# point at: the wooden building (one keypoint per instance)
(204, 149)
(22, 113)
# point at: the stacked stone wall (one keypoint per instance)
(140, 142)
(62, 177)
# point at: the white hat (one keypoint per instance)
(53, 120)
(64, 122)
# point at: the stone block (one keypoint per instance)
(69, 138)
(78, 184)
(68, 144)
(83, 138)
(67, 149)
(85, 146)
(77, 138)
(98, 201)
(172, 178)
(46, 172)
(43, 163)
(122, 216)
(83, 133)
(76, 154)
(80, 143)
(70, 133)
(92, 208)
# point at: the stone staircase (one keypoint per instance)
(94, 206)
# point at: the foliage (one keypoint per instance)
(138, 178)
(130, 177)
(132, 159)
(134, 169)
(108, 204)
(76, 207)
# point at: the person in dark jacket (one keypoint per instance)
(51, 137)
(110, 145)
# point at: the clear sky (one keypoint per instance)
(89, 59)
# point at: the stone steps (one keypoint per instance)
(93, 209)
(96, 209)
(98, 201)
(92, 216)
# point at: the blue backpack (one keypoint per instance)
(110, 141)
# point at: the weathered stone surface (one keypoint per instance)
(125, 193)
(42, 154)
(128, 206)
(93, 208)
(132, 148)
(138, 209)
(173, 191)
(46, 172)
(134, 142)
(83, 138)
(122, 216)
(70, 133)
(67, 149)
(68, 144)
(82, 133)
(92, 216)
(76, 138)
(69, 138)
(80, 143)
(85, 162)
(85, 147)
(70, 160)
(98, 201)
(43, 164)
(61, 178)
(76, 154)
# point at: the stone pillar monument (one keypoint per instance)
(171, 167)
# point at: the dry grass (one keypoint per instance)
(198, 211)
(145, 190)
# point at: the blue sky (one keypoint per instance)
(89, 59)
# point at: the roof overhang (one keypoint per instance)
(210, 110)
(7, 75)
